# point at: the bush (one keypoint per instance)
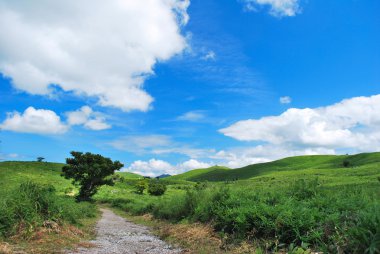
(346, 163)
(140, 186)
(156, 188)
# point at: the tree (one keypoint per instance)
(40, 159)
(90, 171)
(156, 188)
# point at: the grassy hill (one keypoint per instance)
(12, 173)
(316, 164)
(284, 199)
(193, 174)
(129, 175)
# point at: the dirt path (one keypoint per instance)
(116, 235)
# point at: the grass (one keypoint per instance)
(292, 205)
(193, 174)
(35, 214)
(317, 162)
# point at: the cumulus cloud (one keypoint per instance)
(285, 100)
(102, 49)
(44, 121)
(192, 116)
(154, 167)
(350, 124)
(88, 118)
(277, 8)
(40, 121)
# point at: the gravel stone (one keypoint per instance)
(115, 235)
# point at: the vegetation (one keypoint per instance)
(90, 171)
(140, 186)
(294, 205)
(33, 205)
(194, 174)
(35, 213)
(156, 188)
(40, 159)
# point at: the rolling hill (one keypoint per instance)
(193, 174)
(311, 162)
(12, 173)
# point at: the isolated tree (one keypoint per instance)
(40, 159)
(89, 171)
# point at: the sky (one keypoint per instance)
(166, 86)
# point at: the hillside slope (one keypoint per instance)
(12, 173)
(290, 164)
(193, 174)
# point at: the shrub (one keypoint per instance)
(30, 205)
(346, 163)
(156, 188)
(140, 186)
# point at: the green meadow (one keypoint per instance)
(299, 204)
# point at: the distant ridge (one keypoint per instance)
(163, 176)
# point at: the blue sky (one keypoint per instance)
(167, 86)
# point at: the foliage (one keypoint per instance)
(40, 159)
(156, 188)
(346, 163)
(31, 205)
(140, 186)
(90, 172)
(340, 213)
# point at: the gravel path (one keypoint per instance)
(116, 235)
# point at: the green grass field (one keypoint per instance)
(304, 202)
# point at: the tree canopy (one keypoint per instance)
(89, 171)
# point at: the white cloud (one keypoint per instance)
(285, 100)
(278, 8)
(192, 116)
(158, 145)
(155, 167)
(103, 49)
(210, 55)
(350, 124)
(141, 144)
(192, 164)
(88, 118)
(44, 121)
(39, 121)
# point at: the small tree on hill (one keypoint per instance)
(40, 159)
(89, 171)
